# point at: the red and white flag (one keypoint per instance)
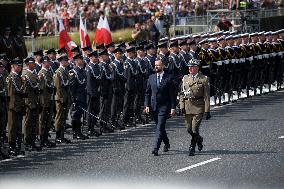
(103, 34)
(65, 40)
(84, 38)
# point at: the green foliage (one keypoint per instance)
(52, 41)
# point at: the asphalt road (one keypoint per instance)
(243, 148)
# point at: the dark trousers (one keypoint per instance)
(116, 106)
(93, 108)
(104, 108)
(161, 134)
(128, 106)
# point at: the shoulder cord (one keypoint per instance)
(4, 40)
(30, 82)
(133, 71)
(77, 77)
(177, 66)
(117, 71)
(104, 69)
(15, 85)
(62, 79)
(93, 73)
(149, 62)
(140, 67)
(46, 82)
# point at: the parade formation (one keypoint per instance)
(103, 88)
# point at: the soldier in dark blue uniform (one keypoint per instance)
(86, 50)
(151, 58)
(78, 92)
(164, 54)
(75, 51)
(105, 91)
(122, 46)
(184, 56)
(38, 59)
(110, 48)
(174, 68)
(130, 69)
(118, 88)
(141, 82)
(93, 94)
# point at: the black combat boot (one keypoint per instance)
(58, 139)
(199, 142)
(192, 145)
(12, 149)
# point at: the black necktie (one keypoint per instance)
(158, 82)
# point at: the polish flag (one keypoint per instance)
(103, 34)
(84, 38)
(65, 40)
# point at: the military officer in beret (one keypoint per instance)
(194, 102)
(62, 100)
(32, 90)
(16, 105)
(46, 101)
(93, 94)
(78, 92)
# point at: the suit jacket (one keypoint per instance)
(161, 99)
(196, 98)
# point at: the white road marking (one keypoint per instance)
(196, 165)
(281, 137)
(137, 127)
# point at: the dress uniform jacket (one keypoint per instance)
(31, 88)
(16, 106)
(46, 86)
(61, 83)
(196, 99)
(150, 63)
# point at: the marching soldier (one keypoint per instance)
(86, 50)
(19, 44)
(174, 67)
(164, 54)
(61, 83)
(105, 91)
(78, 94)
(130, 70)
(38, 59)
(32, 90)
(54, 65)
(93, 93)
(16, 105)
(122, 46)
(118, 89)
(141, 79)
(195, 102)
(110, 48)
(184, 56)
(46, 101)
(75, 51)
(151, 58)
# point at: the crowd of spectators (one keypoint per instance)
(41, 14)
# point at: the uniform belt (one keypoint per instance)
(197, 98)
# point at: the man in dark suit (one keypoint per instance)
(159, 94)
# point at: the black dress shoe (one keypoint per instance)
(94, 133)
(166, 148)
(155, 152)
(191, 151)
